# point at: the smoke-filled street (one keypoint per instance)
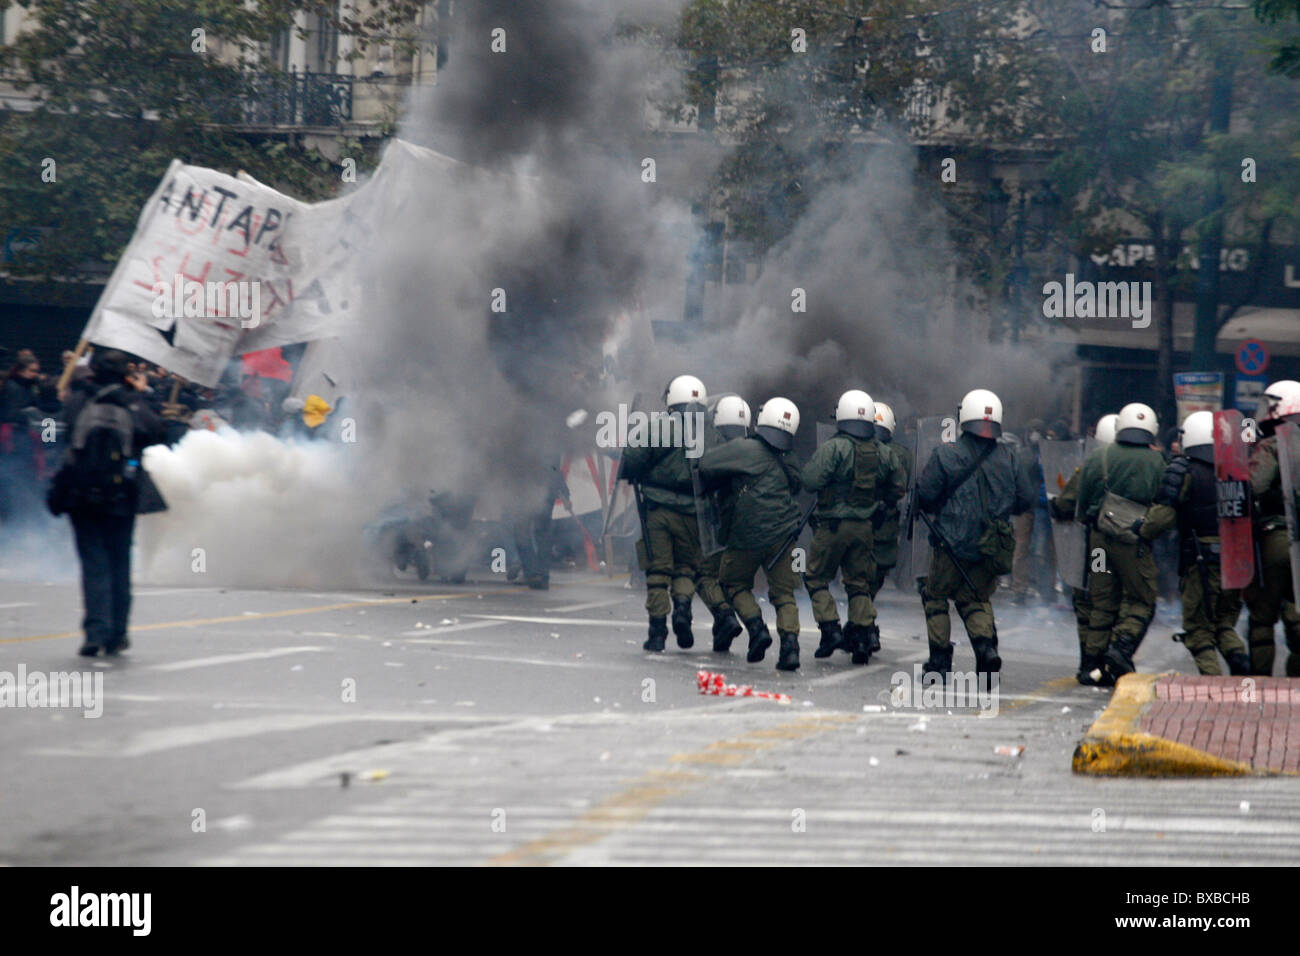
(647, 435)
(492, 724)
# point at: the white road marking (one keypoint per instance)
(839, 678)
(583, 607)
(19, 604)
(167, 592)
(502, 659)
(154, 741)
(312, 772)
(233, 658)
(586, 621)
(451, 628)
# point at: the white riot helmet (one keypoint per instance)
(980, 413)
(731, 417)
(1266, 414)
(1105, 433)
(685, 391)
(778, 420)
(856, 413)
(1198, 436)
(1136, 424)
(884, 422)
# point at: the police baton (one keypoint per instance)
(943, 543)
(791, 538)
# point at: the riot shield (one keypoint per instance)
(1060, 460)
(929, 436)
(1232, 494)
(1288, 457)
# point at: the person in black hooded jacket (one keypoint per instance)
(103, 533)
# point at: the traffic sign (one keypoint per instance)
(1252, 357)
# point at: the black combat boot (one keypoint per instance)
(682, 622)
(725, 630)
(832, 639)
(759, 639)
(1088, 664)
(873, 638)
(1238, 662)
(987, 660)
(940, 661)
(658, 634)
(789, 659)
(1119, 657)
(857, 643)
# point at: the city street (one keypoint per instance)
(489, 724)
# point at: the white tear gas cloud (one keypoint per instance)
(246, 509)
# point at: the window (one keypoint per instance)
(327, 45)
(280, 49)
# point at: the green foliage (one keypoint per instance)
(118, 90)
(871, 68)
(1286, 54)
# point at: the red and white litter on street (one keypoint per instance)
(716, 684)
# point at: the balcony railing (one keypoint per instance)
(290, 99)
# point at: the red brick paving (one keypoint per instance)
(1255, 720)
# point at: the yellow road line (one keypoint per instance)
(259, 616)
(633, 804)
(1043, 690)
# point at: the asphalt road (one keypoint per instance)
(489, 724)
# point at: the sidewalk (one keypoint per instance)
(1178, 725)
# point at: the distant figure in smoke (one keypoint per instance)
(23, 400)
(99, 486)
(532, 532)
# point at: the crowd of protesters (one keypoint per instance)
(34, 421)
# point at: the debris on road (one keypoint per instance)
(716, 684)
(1009, 750)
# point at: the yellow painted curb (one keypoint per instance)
(1114, 747)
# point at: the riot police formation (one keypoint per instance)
(711, 522)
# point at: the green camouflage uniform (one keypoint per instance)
(843, 539)
(664, 474)
(1122, 579)
(966, 510)
(887, 522)
(760, 484)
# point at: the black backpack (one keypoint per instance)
(96, 474)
